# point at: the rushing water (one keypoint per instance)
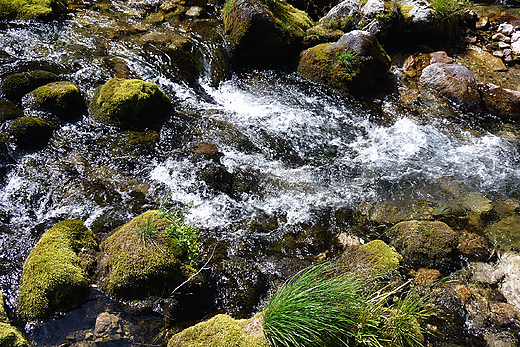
(297, 147)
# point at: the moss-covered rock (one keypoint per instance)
(138, 262)
(354, 64)
(9, 110)
(130, 103)
(264, 32)
(31, 9)
(9, 335)
(53, 278)
(222, 330)
(60, 98)
(30, 132)
(425, 244)
(505, 233)
(17, 85)
(385, 258)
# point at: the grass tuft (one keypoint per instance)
(325, 305)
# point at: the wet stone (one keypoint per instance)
(487, 273)
(482, 23)
(108, 324)
(502, 313)
(426, 277)
(501, 37)
(506, 29)
(474, 246)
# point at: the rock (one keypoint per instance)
(515, 37)
(108, 324)
(501, 102)
(30, 132)
(195, 11)
(503, 45)
(52, 277)
(474, 247)
(264, 32)
(383, 258)
(483, 60)
(501, 313)
(414, 65)
(454, 82)
(418, 17)
(425, 244)
(130, 103)
(501, 37)
(9, 110)
(31, 9)
(506, 29)
(17, 85)
(315, 8)
(426, 277)
(222, 330)
(487, 273)
(515, 47)
(319, 34)
(9, 335)
(354, 64)
(60, 98)
(477, 203)
(503, 339)
(343, 16)
(139, 261)
(482, 23)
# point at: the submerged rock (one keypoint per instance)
(354, 64)
(17, 85)
(9, 110)
(60, 98)
(425, 244)
(501, 102)
(222, 330)
(454, 82)
(30, 132)
(505, 233)
(31, 9)
(53, 277)
(414, 65)
(130, 103)
(138, 261)
(264, 32)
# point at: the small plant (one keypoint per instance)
(449, 13)
(347, 58)
(326, 306)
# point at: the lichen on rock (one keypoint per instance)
(130, 103)
(222, 330)
(137, 262)
(53, 277)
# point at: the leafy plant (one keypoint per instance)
(324, 305)
(347, 58)
(449, 13)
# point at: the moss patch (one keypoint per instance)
(11, 337)
(385, 257)
(137, 265)
(130, 103)
(61, 98)
(31, 9)
(222, 330)
(52, 277)
(17, 85)
(9, 110)
(30, 132)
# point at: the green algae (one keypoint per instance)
(52, 277)
(130, 103)
(31, 9)
(16, 85)
(222, 330)
(138, 263)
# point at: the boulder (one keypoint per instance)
(374, 16)
(383, 257)
(9, 335)
(501, 102)
(425, 244)
(60, 98)
(139, 260)
(30, 132)
(505, 233)
(475, 247)
(130, 103)
(31, 9)
(53, 276)
(9, 110)
(454, 82)
(264, 32)
(354, 64)
(222, 330)
(414, 65)
(17, 85)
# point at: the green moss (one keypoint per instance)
(3, 313)
(30, 132)
(9, 110)
(17, 85)
(406, 10)
(222, 330)
(135, 266)
(31, 9)
(61, 98)
(130, 103)
(385, 257)
(11, 337)
(294, 22)
(52, 277)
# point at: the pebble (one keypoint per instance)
(503, 45)
(501, 37)
(516, 36)
(506, 29)
(482, 23)
(499, 54)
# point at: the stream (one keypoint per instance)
(287, 155)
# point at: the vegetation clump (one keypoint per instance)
(150, 255)
(18, 84)
(53, 277)
(130, 103)
(60, 98)
(326, 305)
(9, 110)
(30, 132)
(31, 9)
